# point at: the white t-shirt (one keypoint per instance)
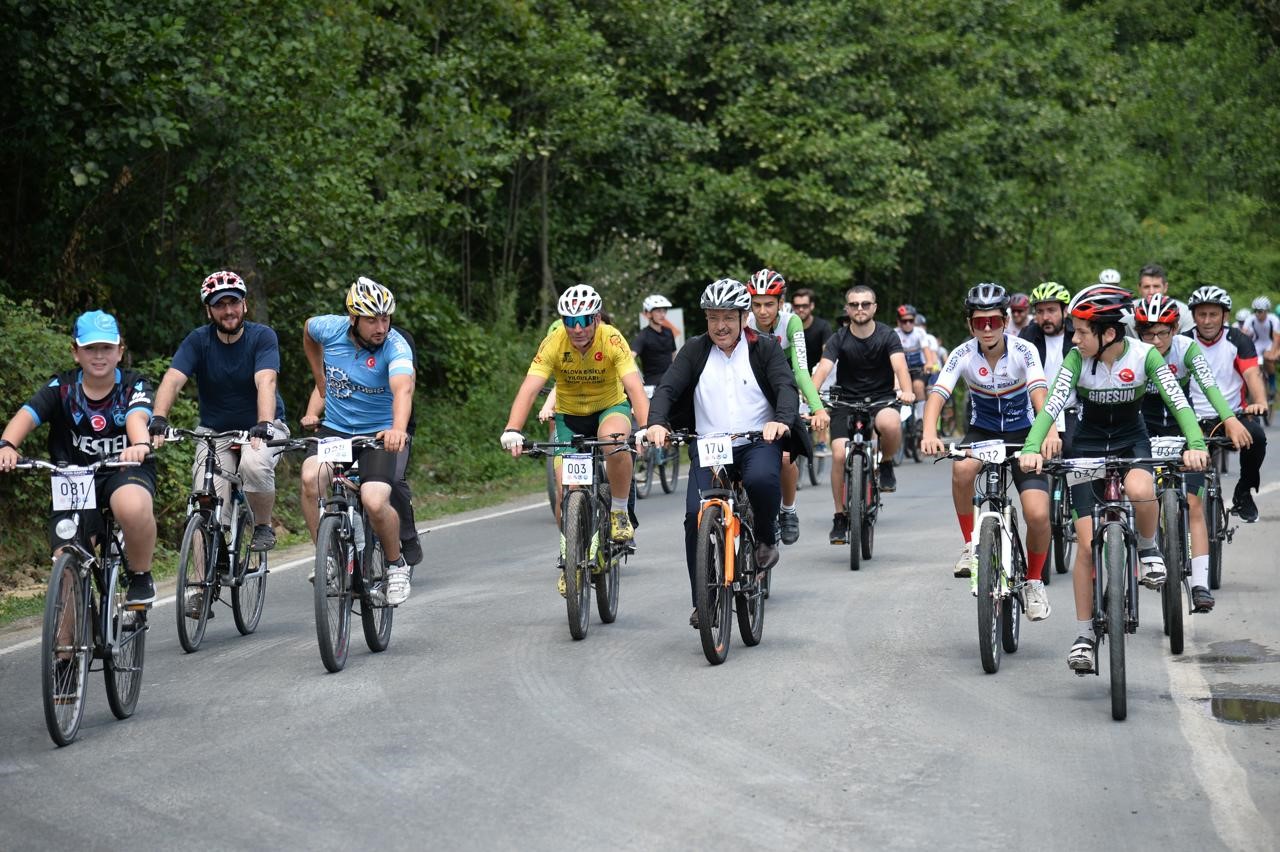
(727, 397)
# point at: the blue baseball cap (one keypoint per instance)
(96, 327)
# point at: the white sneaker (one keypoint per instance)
(964, 565)
(1038, 608)
(397, 583)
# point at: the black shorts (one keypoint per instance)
(840, 420)
(1022, 481)
(375, 465)
(916, 373)
(105, 484)
(1087, 494)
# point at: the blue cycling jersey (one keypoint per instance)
(1001, 397)
(357, 395)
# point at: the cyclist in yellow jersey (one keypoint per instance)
(597, 388)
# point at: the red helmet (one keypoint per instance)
(1156, 308)
(1019, 302)
(906, 312)
(1102, 303)
(766, 282)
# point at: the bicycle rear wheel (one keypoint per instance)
(194, 595)
(64, 649)
(989, 604)
(869, 512)
(376, 620)
(333, 593)
(1216, 530)
(811, 462)
(669, 470)
(712, 599)
(749, 603)
(642, 471)
(122, 667)
(249, 595)
(1171, 541)
(1011, 608)
(854, 493)
(1115, 552)
(606, 583)
(577, 561)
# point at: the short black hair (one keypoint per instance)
(1153, 270)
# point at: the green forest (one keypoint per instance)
(479, 157)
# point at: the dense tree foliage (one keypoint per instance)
(478, 157)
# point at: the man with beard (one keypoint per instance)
(1050, 333)
(364, 378)
(235, 363)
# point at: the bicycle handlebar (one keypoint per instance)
(57, 467)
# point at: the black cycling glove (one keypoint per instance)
(159, 425)
(263, 430)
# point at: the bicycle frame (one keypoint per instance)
(1111, 511)
(207, 501)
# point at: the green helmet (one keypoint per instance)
(1050, 291)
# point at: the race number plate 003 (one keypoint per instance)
(73, 489)
(715, 450)
(988, 451)
(334, 449)
(577, 469)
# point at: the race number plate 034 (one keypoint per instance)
(1167, 447)
(334, 449)
(715, 450)
(73, 489)
(577, 469)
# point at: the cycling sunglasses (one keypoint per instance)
(579, 322)
(985, 323)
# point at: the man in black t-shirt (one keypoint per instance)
(868, 358)
(654, 347)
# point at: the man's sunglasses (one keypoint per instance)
(861, 306)
(986, 323)
(905, 320)
(579, 322)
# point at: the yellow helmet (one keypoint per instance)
(368, 298)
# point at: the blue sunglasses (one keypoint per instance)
(579, 322)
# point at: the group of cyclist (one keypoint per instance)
(363, 375)
(1097, 373)
(1100, 372)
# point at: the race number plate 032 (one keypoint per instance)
(715, 450)
(988, 451)
(73, 489)
(334, 449)
(577, 469)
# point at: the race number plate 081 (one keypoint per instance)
(714, 451)
(73, 489)
(577, 469)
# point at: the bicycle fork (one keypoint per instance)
(1004, 586)
(731, 530)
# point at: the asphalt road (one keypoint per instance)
(863, 720)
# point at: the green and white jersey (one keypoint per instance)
(1110, 398)
(1184, 359)
(788, 330)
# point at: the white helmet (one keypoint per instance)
(656, 301)
(579, 301)
(1242, 315)
(1108, 276)
(726, 294)
(1210, 294)
(1262, 303)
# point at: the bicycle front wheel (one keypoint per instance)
(376, 620)
(1171, 541)
(248, 595)
(989, 603)
(712, 599)
(578, 557)
(854, 493)
(1115, 551)
(332, 593)
(64, 649)
(749, 603)
(194, 595)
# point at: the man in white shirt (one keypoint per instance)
(731, 380)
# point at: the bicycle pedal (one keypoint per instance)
(137, 607)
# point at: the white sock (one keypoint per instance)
(1200, 571)
(790, 510)
(1085, 628)
(617, 505)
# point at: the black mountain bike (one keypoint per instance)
(861, 474)
(215, 550)
(350, 564)
(591, 557)
(85, 615)
(1174, 536)
(1217, 514)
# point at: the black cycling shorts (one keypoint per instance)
(105, 484)
(1087, 494)
(375, 465)
(1023, 481)
(840, 420)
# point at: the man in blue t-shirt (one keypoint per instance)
(364, 376)
(235, 364)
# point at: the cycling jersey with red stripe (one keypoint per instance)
(1229, 355)
(1001, 396)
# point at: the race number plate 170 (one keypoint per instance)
(715, 450)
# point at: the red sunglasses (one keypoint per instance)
(985, 323)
